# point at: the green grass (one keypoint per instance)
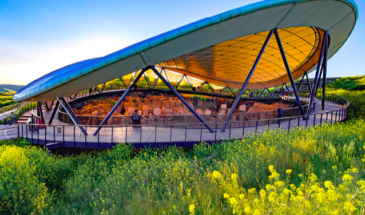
(349, 83)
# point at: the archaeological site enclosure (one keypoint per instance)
(209, 81)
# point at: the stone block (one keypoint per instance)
(157, 111)
(223, 106)
(207, 112)
(145, 110)
(242, 108)
(131, 110)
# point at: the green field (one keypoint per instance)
(317, 171)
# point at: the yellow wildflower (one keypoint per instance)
(234, 176)
(192, 208)
(233, 201)
(242, 196)
(216, 174)
(347, 177)
(271, 168)
(289, 171)
(329, 185)
(226, 196)
(263, 194)
(247, 210)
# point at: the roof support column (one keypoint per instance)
(288, 71)
(120, 100)
(71, 115)
(309, 83)
(39, 111)
(324, 74)
(122, 80)
(181, 98)
(270, 92)
(317, 72)
(243, 89)
(54, 112)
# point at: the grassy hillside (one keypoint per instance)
(10, 88)
(349, 83)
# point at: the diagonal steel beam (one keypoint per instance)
(71, 115)
(243, 89)
(309, 83)
(179, 81)
(120, 100)
(40, 112)
(300, 83)
(317, 72)
(202, 85)
(54, 112)
(289, 72)
(147, 80)
(182, 99)
(122, 80)
(325, 74)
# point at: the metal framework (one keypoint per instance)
(122, 80)
(267, 91)
(71, 114)
(166, 82)
(318, 70)
(325, 75)
(39, 111)
(238, 98)
(53, 112)
(288, 71)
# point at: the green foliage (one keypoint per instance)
(20, 190)
(349, 83)
(356, 99)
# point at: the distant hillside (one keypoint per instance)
(349, 83)
(6, 88)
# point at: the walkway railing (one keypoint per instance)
(152, 120)
(11, 107)
(54, 136)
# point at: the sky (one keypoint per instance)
(39, 36)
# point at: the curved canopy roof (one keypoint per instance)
(220, 49)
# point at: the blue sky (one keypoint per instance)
(39, 36)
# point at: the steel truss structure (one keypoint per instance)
(166, 82)
(313, 91)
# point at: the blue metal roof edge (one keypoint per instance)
(152, 42)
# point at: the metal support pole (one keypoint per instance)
(289, 72)
(72, 115)
(317, 73)
(181, 98)
(102, 89)
(300, 83)
(46, 106)
(324, 75)
(122, 80)
(202, 85)
(270, 92)
(309, 83)
(179, 81)
(286, 86)
(120, 100)
(54, 112)
(243, 89)
(40, 113)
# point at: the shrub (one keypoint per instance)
(20, 190)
